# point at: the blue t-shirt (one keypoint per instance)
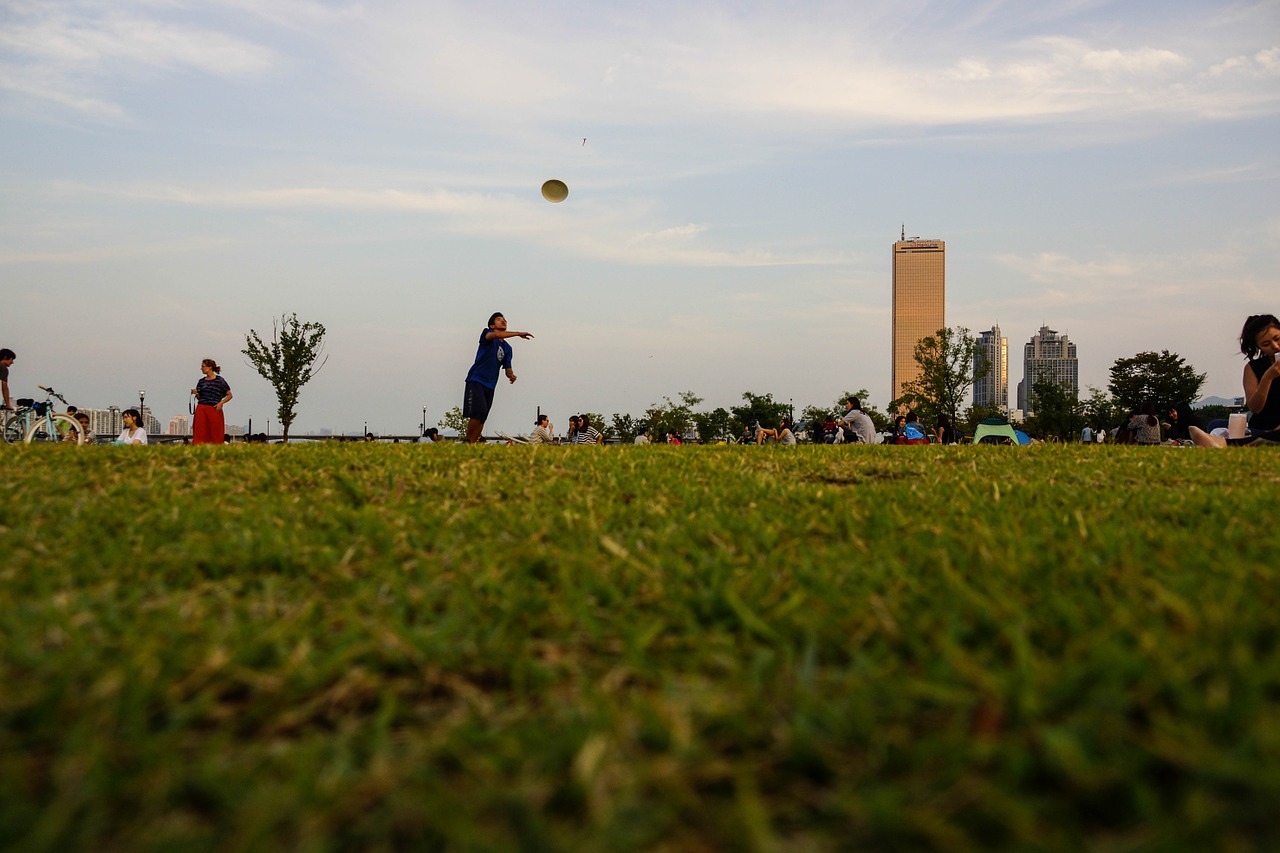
(492, 356)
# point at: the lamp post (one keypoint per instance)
(142, 409)
(424, 420)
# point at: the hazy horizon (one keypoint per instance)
(176, 173)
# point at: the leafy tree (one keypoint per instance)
(946, 375)
(714, 425)
(1100, 410)
(288, 361)
(1058, 410)
(760, 409)
(454, 420)
(671, 416)
(1162, 378)
(626, 428)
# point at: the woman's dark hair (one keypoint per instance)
(1254, 326)
(133, 413)
(944, 422)
(1187, 416)
(212, 364)
(900, 419)
(856, 403)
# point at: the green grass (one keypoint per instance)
(608, 649)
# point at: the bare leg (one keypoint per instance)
(1204, 439)
(474, 428)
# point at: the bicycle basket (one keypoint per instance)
(39, 407)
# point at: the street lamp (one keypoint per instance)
(142, 409)
(424, 420)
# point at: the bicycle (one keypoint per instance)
(36, 422)
(19, 420)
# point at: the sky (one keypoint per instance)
(174, 174)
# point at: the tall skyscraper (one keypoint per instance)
(919, 302)
(1048, 355)
(179, 425)
(991, 370)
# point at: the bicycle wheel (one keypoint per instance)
(58, 428)
(15, 429)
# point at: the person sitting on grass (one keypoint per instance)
(542, 430)
(1145, 426)
(1260, 344)
(1181, 419)
(133, 433)
(587, 434)
(782, 435)
(83, 420)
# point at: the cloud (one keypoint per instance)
(65, 52)
(1264, 63)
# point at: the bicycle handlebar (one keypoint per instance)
(52, 393)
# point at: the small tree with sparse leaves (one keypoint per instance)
(287, 361)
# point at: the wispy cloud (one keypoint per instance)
(64, 52)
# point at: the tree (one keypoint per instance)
(713, 425)
(1100, 410)
(288, 362)
(1058, 410)
(454, 420)
(671, 416)
(760, 409)
(946, 375)
(626, 428)
(1162, 378)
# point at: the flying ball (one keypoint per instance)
(555, 191)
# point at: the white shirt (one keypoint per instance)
(139, 435)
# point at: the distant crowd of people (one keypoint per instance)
(1259, 342)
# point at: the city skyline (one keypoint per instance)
(175, 174)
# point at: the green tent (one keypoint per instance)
(998, 428)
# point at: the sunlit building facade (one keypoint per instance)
(919, 302)
(991, 370)
(1051, 356)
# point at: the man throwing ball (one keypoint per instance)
(494, 354)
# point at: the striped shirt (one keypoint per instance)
(590, 435)
(209, 392)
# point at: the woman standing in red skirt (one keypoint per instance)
(212, 393)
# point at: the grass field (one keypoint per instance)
(349, 647)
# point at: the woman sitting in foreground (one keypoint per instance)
(1260, 343)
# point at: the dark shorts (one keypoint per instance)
(477, 401)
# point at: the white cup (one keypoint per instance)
(1237, 423)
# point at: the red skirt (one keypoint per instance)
(209, 426)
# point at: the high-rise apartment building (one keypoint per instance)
(1051, 356)
(991, 370)
(919, 302)
(178, 425)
